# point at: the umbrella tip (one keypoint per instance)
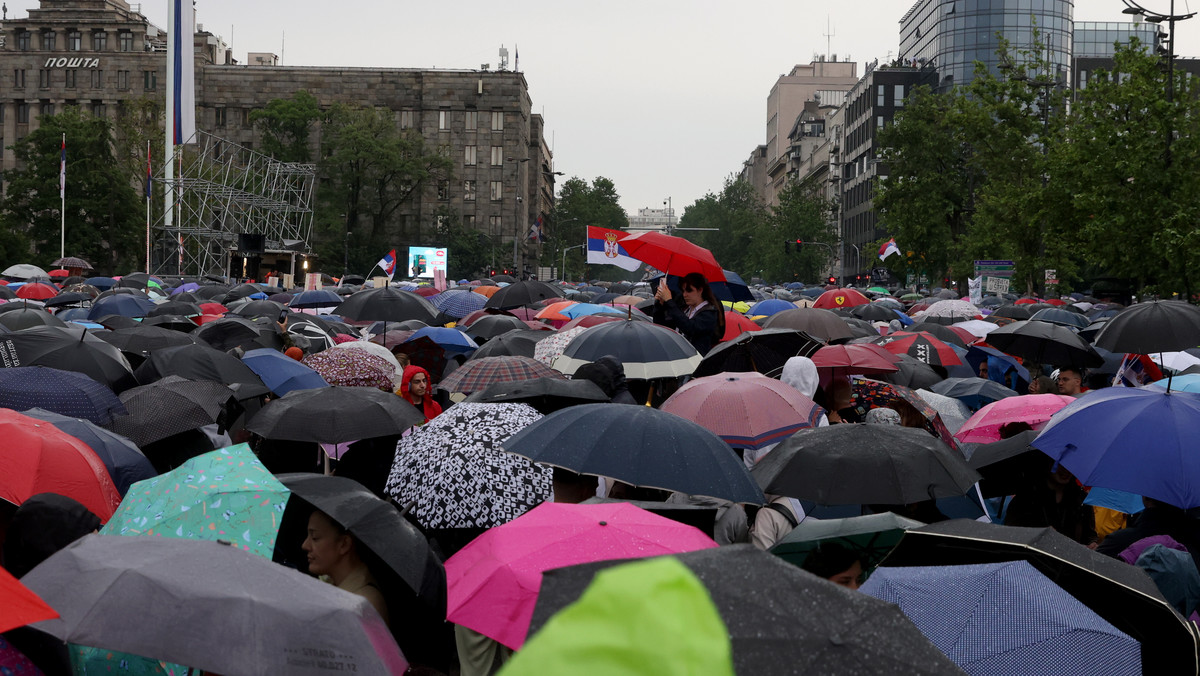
(603, 523)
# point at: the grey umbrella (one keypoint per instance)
(210, 606)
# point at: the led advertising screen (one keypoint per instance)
(423, 261)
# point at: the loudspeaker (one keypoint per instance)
(251, 243)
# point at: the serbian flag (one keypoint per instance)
(604, 248)
(62, 170)
(388, 263)
(1137, 370)
(889, 247)
(149, 173)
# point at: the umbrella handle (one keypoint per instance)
(650, 394)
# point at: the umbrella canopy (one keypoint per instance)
(281, 373)
(815, 322)
(968, 612)
(769, 307)
(871, 537)
(65, 392)
(23, 271)
(1011, 465)
(124, 304)
(974, 392)
(491, 326)
(352, 368)
(259, 308)
(453, 341)
(69, 349)
(200, 362)
(1153, 326)
(492, 583)
(275, 620)
(646, 350)
(1045, 343)
(145, 339)
(315, 298)
(1033, 409)
(37, 291)
(842, 360)
(40, 458)
(640, 446)
(386, 304)
(874, 312)
(911, 373)
(452, 473)
(736, 324)
(21, 607)
(26, 316)
(1071, 320)
(958, 309)
(747, 410)
(777, 619)
(521, 343)
(839, 298)
(1121, 594)
(332, 415)
(123, 460)
(1136, 440)
(230, 332)
(550, 348)
(864, 464)
(478, 374)
(172, 405)
(458, 303)
(869, 394)
(763, 351)
(544, 394)
(946, 334)
(673, 255)
(923, 346)
(954, 413)
(521, 293)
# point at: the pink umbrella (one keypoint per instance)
(747, 410)
(1035, 409)
(492, 584)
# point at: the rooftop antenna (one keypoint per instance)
(503, 58)
(283, 46)
(829, 34)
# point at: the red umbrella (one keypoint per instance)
(921, 345)
(588, 321)
(204, 319)
(213, 308)
(39, 458)
(1057, 302)
(1026, 301)
(21, 606)
(59, 274)
(857, 358)
(427, 291)
(37, 291)
(836, 298)
(736, 324)
(673, 255)
(747, 410)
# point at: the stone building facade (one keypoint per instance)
(101, 54)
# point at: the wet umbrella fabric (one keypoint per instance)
(871, 537)
(275, 620)
(974, 392)
(1045, 343)
(841, 298)
(522, 293)
(24, 316)
(815, 322)
(911, 373)
(124, 304)
(763, 351)
(638, 445)
(747, 410)
(65, 392)
(1061, 317)
(778, 618)
(229, 332)
(386, 304)
(869, 394)
(452, 472)
(23, 271)
(673, 255)
(1121, 594)
(493, 326)
(170, 406)
(1153, 326)
(352, 368)
(864, 464)
(200, 362)
(281, 373)
(124, 461)
(646, 350)
(21, 607)
(315, 298)
(1033, 409)
(145, 339)
(969, 613)
(544, 394)
(478, 374)
(459, 303)
(924, 347)
(37, 291)
(551, 347)
(69, 349)
(333, 415)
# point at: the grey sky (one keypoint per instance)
(664, 98)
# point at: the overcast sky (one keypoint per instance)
(664, 98)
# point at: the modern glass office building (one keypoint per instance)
(1097, 39)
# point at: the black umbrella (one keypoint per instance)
(547, 395)
(200, 362)
(211, 291)
(22, 316)
(1153, 326)
(781, 619)
(763, 351)
(911, 373)
(1017, 312)
(640, 446)
(939, 331)
(173, 405)
(874, 312)
(240, 291)
(1009, 465)
(66, 392)
(230, 332)
(864, 464)
(260, 308)
(1044, 343)
(522, 293)
(65, 299)
(176, 323)
(975, 392)
(7, 293)
(861, 328)
(1121, 594)
(512, 344)
(822, 324)
(176, 307)
(508, 279)
(145, 339)
(70, 349)
(386, 304)
(333, 415)
(133, 304)
(115, 322)
(490, 326)
(1062, 317)
(646, 350)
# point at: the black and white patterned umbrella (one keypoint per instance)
(454, 474)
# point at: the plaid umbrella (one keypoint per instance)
(869, 394)
(66, 392)
(170, 406)
(477, 374)
(458, 303)
(72, 262)
(454, 474)
(352, 368)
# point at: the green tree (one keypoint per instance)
(800, 215)
(105, 219)
(730, 223)
(580, 204)
(284, 125)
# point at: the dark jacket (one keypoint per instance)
(1036, 508)
(609, 375)
(702, 331)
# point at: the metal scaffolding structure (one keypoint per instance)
(223, 190)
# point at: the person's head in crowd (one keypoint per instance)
(1043, 385)
(1012, 429)
(295, 353)
(836, 563)
(42, 525)
(1070, 381)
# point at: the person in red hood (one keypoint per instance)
(414, 387)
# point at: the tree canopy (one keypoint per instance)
(579, 205)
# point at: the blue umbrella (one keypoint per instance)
(124, 461)
(814, 292)
(452, 341)
(281, 373)
(459, 303)
(1126, 503)
(769, 307)
(64, 392)
(102, 283)
(1006, 618)
(125, 304)
(732, 289)
(315, 299)
(72, 313)
(1139, 440)
(1184, 383)
(1000, 364)
(183, 288)
(588, 309)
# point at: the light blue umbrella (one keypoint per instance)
(459, 303)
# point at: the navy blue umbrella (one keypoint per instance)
(124, 304)
(1006, 618)
(102, 283)
(65, 392)
(280, 372)
(315, 298)
(640, 446)
(124, 461)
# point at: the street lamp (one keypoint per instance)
(563, 271)
(670, 216)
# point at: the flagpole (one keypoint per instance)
(148, 191)
(169, 146)
(62, 196)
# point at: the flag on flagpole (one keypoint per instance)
(388, 264)
(536, 233)
(62, 170)
(888, 249)
(604, 248)
(149, 174)
(180, 37)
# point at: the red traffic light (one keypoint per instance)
(832, 279)
(799, 241)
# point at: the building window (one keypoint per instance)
(497, 225)
(149, 80)
(48, 41)
(468, 191)
(99, 41)
(122, 79)
(44, 78)
(22, 112)
(469, 159)
(443, 190)
(71, 78)
(497, 191)
(472, 121)
(444, 150)
(443, 120)
(879, 121)
(74, 41)
(125, 41)
(879, 92)
(406, 119)
(898, 96)
(469, 221)
(497, 120)
(497, 155)
(47, 109)
(97, 79)
(98, 109)
(19, 78)
(23, 40)
(219, 117)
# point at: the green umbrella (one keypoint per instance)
(879, 289)
(652, 617)
(912, 296)
(871, 536)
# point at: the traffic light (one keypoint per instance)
(832, 279)
(799, 242)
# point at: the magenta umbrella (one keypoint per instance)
(747, 410)
(492, 584)
(1035, 409)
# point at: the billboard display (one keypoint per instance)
(424, 260)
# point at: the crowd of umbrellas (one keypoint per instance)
(189, 428)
